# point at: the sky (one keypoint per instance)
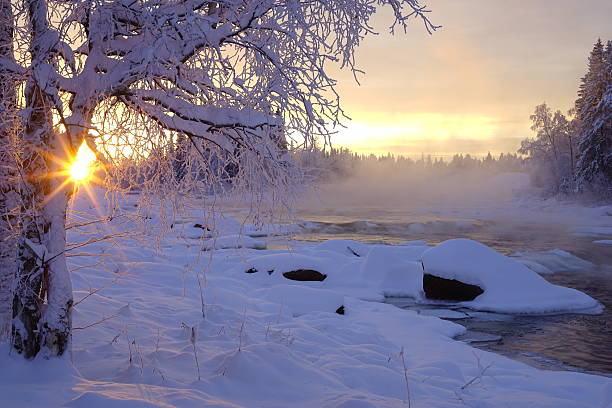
(471, 86)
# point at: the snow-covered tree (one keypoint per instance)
(551, 151)
(592, 85)
(130, 77)
(594, 116)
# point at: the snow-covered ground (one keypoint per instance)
(177, 324)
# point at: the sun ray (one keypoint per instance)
(59, 189)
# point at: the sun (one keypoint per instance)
(82, 168)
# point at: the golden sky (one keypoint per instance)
(471, 86)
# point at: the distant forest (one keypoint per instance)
(570, 154)
(334, 164)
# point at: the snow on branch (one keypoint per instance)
(236, 73)
(197, 120)
(270, 56)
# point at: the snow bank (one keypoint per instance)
(509, 286)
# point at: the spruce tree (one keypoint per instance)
(592, 85)
(594, 113)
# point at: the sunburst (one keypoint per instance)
(83, 166)
(77, 170)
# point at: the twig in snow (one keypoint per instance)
(94, 291)
(89, 242)
(241, 330)
(86, 223)
(352, 251)
(280, 312)
(481, 371)
(157, 341)
(192, 340)
(405, 377)
(201, 297)
(267, 331)
(104, 319)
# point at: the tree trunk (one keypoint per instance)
(8, 177)
(57, 319)
(42, 302)
(32, 269)
(43, 294)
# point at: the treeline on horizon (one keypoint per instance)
(338, 163)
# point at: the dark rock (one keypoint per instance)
(449, 289)
(251, 270)
(340, 310)
(305, 275)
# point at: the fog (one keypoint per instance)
(378, 202)
(414, 189)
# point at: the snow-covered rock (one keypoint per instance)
(394, 270)
(509, 286)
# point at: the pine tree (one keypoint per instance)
(594, 113)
